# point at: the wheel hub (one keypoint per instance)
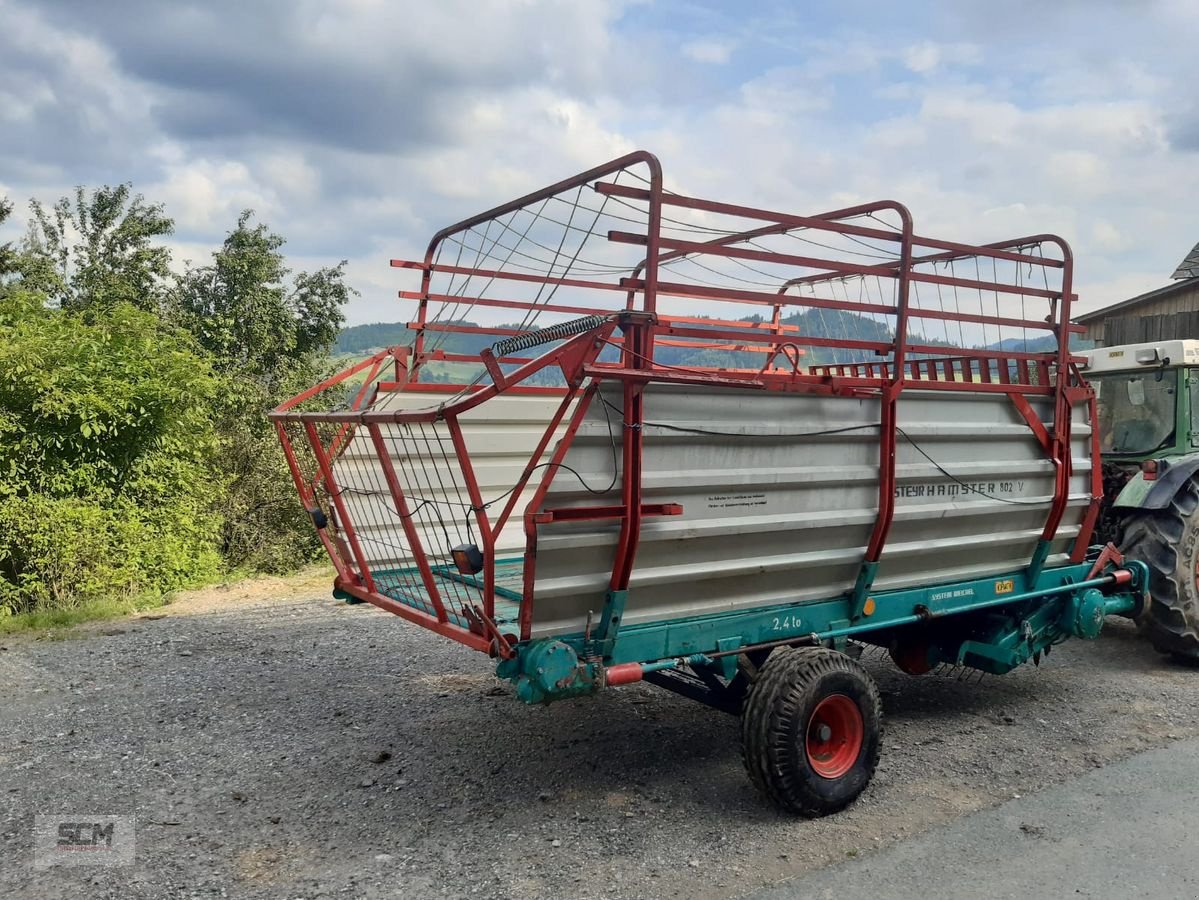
(834, 736)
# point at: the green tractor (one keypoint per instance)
(1148, 424)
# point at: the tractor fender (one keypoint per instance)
(1157, 494)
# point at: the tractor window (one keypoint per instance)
(1193, 380)
(1136, 410)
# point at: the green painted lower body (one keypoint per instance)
(993, 624)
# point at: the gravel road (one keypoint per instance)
(274, 743)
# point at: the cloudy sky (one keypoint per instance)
(358, 127)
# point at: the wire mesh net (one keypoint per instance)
(736, 292)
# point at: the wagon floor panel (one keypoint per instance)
(406, 586)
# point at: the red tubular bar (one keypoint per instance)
(656, 335)
(309, 500)
(339, 504)
(825, 222)
(1079, 551)
(405, 514)
(480, 512)
(537, 454)
(329, 382)
(637, 157)
(499, 304)
(888, 429)
(576, 422)
(446, 629)
(690, 247)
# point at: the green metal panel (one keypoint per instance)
(682, 637)
(1190, 399)
(992, 624)
(1133, 494)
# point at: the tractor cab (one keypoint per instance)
(1147, 423)
(1147, 419)
(1144, 400)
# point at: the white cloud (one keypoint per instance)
(206, 196)
(1108, 237)
(983, 129)
(928, 56)
(709, 51)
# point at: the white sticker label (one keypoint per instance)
(1136, 392)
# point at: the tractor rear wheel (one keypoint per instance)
(811, 730)
(1167, 540)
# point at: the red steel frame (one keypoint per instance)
(927, 366)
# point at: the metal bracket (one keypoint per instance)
(1109, 554)
(609, 624)
(857, 600)
(1038, 560)
(728, 664)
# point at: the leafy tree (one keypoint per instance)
(8, 257)
(269, 336)
(255, 324)
(135, 454)
(97, 250)
(107, 453)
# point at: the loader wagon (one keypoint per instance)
(640, 435)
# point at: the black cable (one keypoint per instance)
(967, 488)
(586, 486)
(970, 489)
(736, 434)
(424, 501)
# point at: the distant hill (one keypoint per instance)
(360, 338)
(1040, 345)
(821, 323)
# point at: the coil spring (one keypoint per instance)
(519, 342)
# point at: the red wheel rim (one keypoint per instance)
(912, 658)
(834, 737)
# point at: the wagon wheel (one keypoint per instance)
(811, 730)
(911, 656)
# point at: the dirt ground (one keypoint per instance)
(272, 742)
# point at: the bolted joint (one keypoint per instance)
(1084, 614)
(549, 670)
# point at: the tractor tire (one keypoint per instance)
(1167, 540)
(811, 730)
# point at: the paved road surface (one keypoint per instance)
(1128, 830)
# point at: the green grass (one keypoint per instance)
(315, 579)
(90, 611)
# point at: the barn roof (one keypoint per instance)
(1158, 294)
(1189, 267)
(1183, 277)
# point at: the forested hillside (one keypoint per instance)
(821, 323)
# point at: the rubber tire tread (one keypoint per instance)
(1167, 540)
(774, 723)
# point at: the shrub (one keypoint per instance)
(107, 456)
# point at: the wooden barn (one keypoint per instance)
(1167, 313)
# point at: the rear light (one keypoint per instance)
(467, 559)
(1149, 470)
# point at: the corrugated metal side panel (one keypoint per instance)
(501, 435)
(775, 513)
